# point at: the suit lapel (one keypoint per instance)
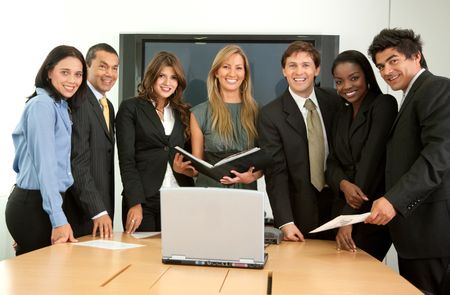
(420, 80)
(361, 117)
(150, 112)
(294, 116)
(344, 125)
(177, 128)
(111, 122)
(326, 109)
(98, 112)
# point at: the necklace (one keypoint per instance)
(160, 113)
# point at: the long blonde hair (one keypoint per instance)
(221, 117)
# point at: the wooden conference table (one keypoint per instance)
(313, 267)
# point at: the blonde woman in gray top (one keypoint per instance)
(226, 122)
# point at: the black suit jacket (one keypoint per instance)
(144, 150)
(282, 133)
(358, 147)
(92, 165)
(418, 170)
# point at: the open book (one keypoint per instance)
(239, 162)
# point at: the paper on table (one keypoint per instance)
(341, 220)
(106, 244)
(145, 234)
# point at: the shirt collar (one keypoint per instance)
(301, 100)
(165, 108)
(97, 94)
(412, 82)
(61, 102)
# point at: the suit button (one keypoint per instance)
(409, 207)
(166, 148)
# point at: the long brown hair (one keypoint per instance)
(221, 117)
(154, 68)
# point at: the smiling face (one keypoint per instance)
(300, 71)
(350, 82)
(396, 69)
(166, 83)
(231, 73)
(67, 76)
(103, 71)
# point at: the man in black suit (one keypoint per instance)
(298, 206)
(416, 206)
(90, 202)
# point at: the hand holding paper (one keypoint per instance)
(341, 221)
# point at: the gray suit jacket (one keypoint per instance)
(418, 170)
(92, 166)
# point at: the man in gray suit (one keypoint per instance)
(416, 206)
(89, 204)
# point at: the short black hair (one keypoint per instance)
(98, 47)
(403, 40)
(356, 57)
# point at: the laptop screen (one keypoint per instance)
(212, 226)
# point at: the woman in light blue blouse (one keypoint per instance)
(42, 138)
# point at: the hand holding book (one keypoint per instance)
(183, 167)
(245, 177)
(240, 163)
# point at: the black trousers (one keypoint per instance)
(329, 207)
(151, 214)
(374, 239)
(27, 222)
(431, 275)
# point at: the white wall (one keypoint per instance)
(30, 29)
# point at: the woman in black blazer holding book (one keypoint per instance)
(356, 163)
(148, 127)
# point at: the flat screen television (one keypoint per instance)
(197, 52)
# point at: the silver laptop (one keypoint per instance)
(213, 227)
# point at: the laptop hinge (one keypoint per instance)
(246, 260)
(178, 257)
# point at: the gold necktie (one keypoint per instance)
(104, 103)
(315, 145)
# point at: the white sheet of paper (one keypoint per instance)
(341, 221)
(145, 234)
(106, 244)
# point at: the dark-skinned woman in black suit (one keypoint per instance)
(356, 164)
(148, 127)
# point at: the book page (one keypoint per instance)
(237, 155)
(188, 154)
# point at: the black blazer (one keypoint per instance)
(144, 150)
(418, 170)
(92, 165)
(358, 147)
(282, 133)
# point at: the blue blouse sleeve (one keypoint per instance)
(42, 145)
